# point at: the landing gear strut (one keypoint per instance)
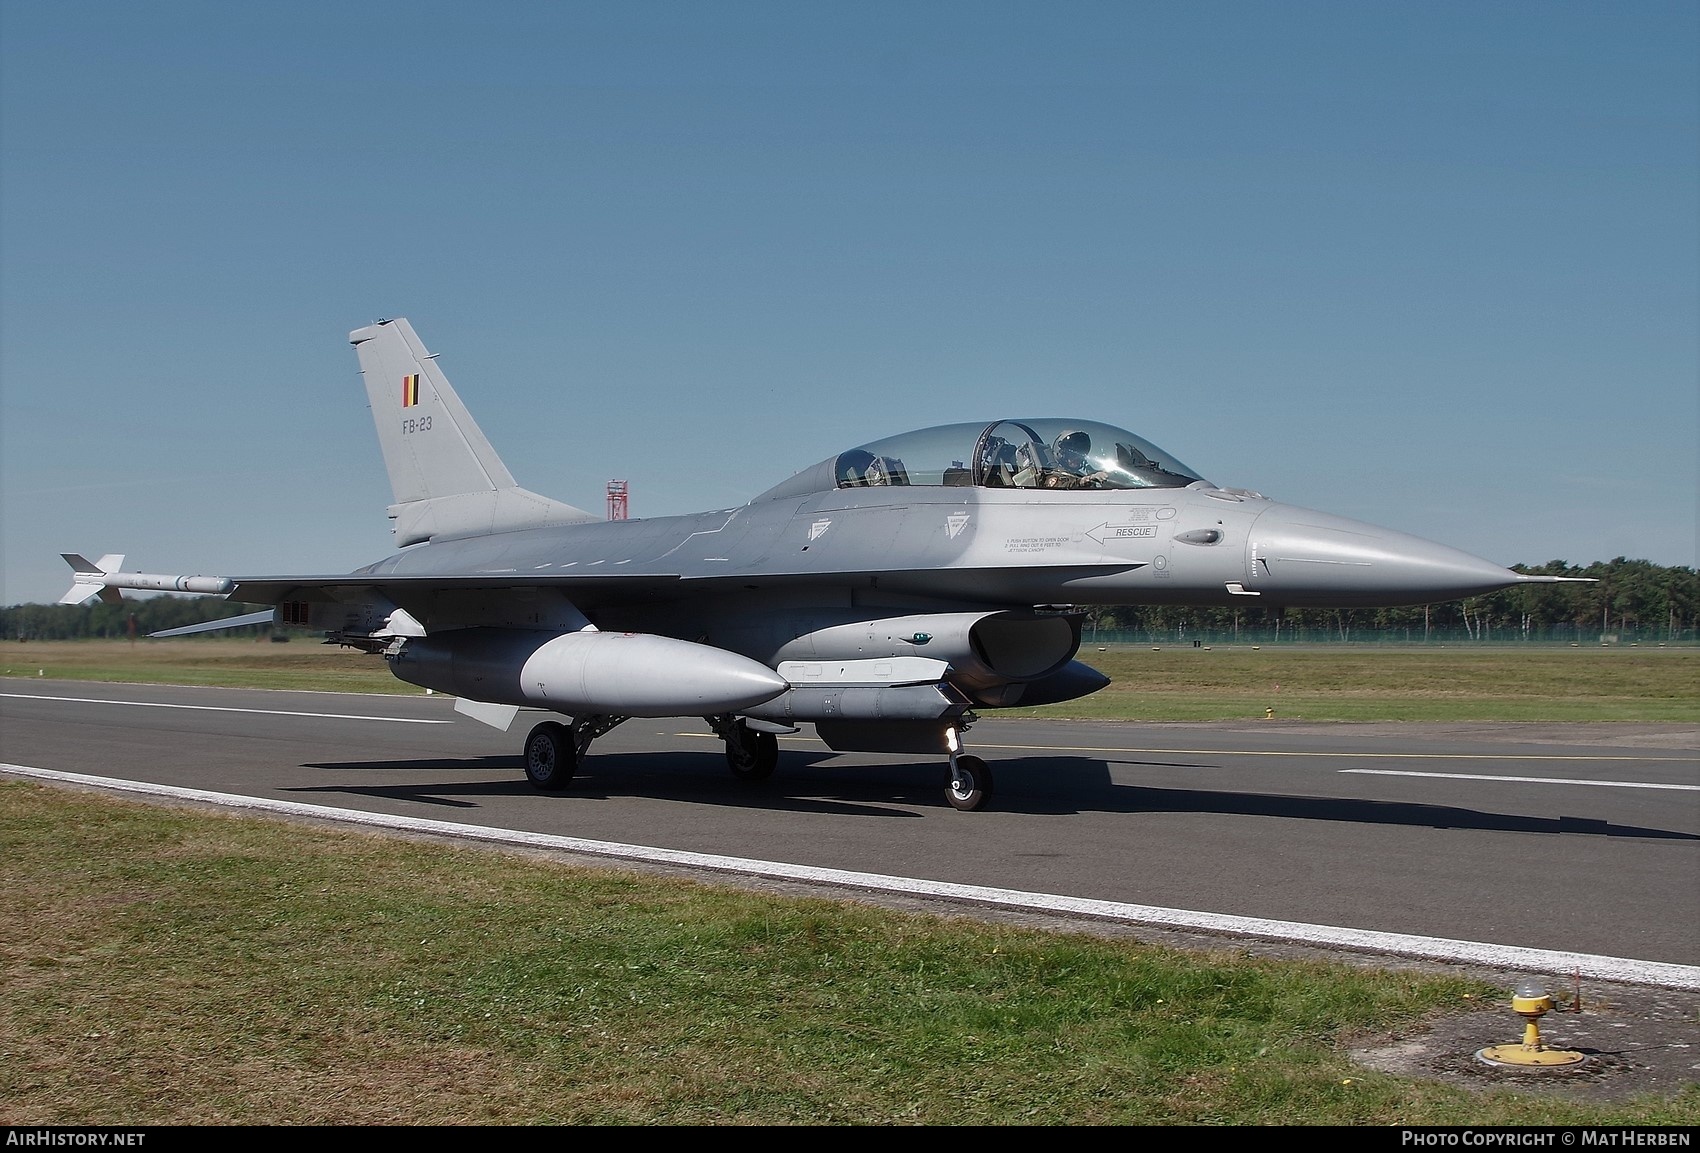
(970, 778)
(970, 782)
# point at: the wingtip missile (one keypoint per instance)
(104, 579)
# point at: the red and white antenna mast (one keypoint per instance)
(617, 500)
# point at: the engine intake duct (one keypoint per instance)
(1072, 681)
(983, 649)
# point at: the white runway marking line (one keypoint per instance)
(222, 709)
(1657, 973)
(1522, 780)
(1364, 756)
(1367, 756)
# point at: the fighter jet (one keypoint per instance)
(887, 596)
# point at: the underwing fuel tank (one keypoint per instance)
(581, 673)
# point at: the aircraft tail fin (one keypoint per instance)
(447, 479)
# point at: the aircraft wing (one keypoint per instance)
(267, 590)
(373, 606)
(603, 587)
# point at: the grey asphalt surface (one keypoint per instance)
(1533, 836)
(1290, 822)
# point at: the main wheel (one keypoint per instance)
(550, 756)
(970, 784)
(751, 754)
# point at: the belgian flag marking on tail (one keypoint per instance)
(410, 390)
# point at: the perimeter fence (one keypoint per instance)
(1554, 636)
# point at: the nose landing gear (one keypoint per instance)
(970, 777)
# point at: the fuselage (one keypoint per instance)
(967, 547)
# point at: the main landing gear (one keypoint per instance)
(551, 757)
(751, 754)
(554, 749)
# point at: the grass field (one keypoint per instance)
(172, 967)
(1324, 683)
(1346, 683)
(261, 664)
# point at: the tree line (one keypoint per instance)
(1632, 601)
(137, 617)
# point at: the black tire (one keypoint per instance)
(551, 758)
(751, 755)
(971, 786)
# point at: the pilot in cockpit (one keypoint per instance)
(1072, 469)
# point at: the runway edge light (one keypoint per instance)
(1531, 1001)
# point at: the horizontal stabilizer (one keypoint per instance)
(478, 514)
(259, 618)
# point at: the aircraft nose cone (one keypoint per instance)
(1299, 556)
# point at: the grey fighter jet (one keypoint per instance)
(885, 596)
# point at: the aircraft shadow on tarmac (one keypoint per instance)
(808, 782)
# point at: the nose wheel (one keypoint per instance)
(970, 782)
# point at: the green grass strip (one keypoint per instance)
(165, 966)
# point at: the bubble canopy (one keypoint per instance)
(1045, 453)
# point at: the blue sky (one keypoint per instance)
(1431, 265)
